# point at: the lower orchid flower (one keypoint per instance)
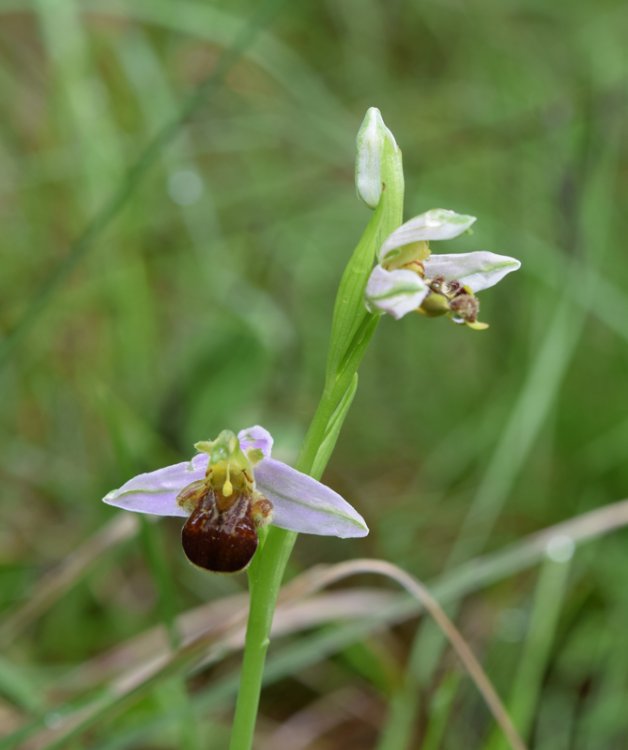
(228, 491)
(409, 278)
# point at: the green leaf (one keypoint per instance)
(333, 428)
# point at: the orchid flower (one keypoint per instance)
(230, 489)
(409, 278)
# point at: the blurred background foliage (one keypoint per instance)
(206, 303)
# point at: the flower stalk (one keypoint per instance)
(352, 329)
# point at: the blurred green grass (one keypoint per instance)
(207, 303)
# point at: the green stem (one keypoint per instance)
(265, 577)
(265, 581)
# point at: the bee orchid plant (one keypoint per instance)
(232, 488)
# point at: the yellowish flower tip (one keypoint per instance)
(422, 250)
(477, 325)
(226, 447)
(204, 446)
(227, 487)
(255, 455)
(407, 256)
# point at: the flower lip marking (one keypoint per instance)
(220, 534)
(225, 509)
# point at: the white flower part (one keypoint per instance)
(370, 142)
(302, 504)
(479, 270)
(437, 224)
(156, 491)
(396, 292)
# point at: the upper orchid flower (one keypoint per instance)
(408, 277)
(230, 489)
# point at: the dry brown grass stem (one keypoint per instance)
(416, 589)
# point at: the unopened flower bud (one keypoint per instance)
(372, 138)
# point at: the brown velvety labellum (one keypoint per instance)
(220, 541)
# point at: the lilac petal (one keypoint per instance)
(302, 504)
(256, 438)
(156, 491)
(479, 270)
(437, 224)
(396, 292)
